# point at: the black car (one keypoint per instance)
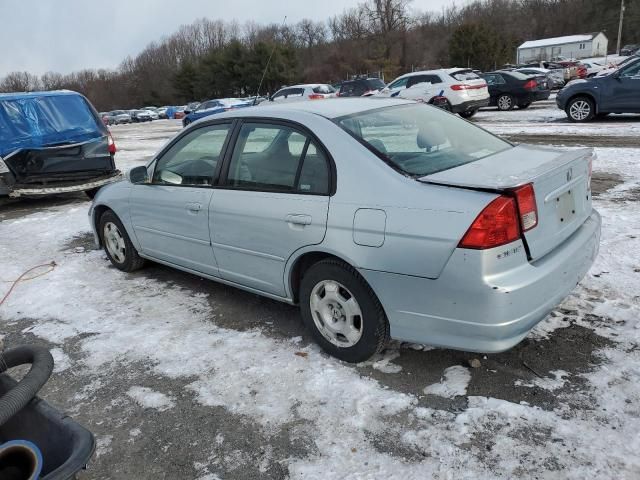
(360, 87)
(617, 92)
(630, 49)
(508, 89)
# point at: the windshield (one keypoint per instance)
(421, 140)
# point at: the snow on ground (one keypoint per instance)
(454, 383)
(118, 320)
(148, 398)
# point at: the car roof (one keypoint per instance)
(51, 93)
(329, 108)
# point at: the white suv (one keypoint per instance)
(309, 91)
(465, 91)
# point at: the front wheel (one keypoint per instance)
(468, 113)
(505, 102)
(342, 312)
(580, 109)
(117, 244)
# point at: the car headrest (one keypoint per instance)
(430, 135)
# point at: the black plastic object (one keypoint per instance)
(66, 446)
(41, 363)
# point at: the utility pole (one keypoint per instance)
(620, 26)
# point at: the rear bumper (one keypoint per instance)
(33, 191)
(485, 301)
(542, 95)
(470, 105)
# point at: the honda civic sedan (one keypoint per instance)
(379, 218)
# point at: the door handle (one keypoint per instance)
(193, 206)
(298, 219)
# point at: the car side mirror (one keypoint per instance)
(138, 175)
(616, 75)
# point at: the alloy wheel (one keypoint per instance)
(504, 102)
(580, 110)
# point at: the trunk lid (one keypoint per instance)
(561, 182)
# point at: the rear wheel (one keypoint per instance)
(522, 106)
(580, 109)
(505, 102)
(468, 113)
(342, 312)
(117, 244)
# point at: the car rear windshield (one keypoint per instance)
(518, 75)
(462, 75)
(324, 89)
(419, 139)
(375, 83)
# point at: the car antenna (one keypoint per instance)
(273, 50)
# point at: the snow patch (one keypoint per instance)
(147, 398)
(454, 383)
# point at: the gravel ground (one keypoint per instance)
(450, 414)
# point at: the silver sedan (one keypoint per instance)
(380, 218)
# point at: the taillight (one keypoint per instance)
(459, 87)
(316, 96)
(111, 145)
(496, 225)
(530, 85)
(526, 199)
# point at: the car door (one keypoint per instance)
(623, 91)
(170, 214)
(272, 200)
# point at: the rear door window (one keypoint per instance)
(277, 158)
(416, 79)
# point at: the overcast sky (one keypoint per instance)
(67, 35)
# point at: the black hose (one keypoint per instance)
(41, 367)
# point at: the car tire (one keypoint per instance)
(331, 291)
(580, 109)
(468, 113)
(505, 102)
(522, 106)
(117, 244)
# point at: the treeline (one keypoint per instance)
(213, 58)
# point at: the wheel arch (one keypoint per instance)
(98, 211)
(586, 94)
(300, 262)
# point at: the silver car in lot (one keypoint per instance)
(380, 218)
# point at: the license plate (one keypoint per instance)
(566, 207)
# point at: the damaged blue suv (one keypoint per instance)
(53, 142)
(616, 92)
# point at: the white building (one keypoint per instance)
(571, 47)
